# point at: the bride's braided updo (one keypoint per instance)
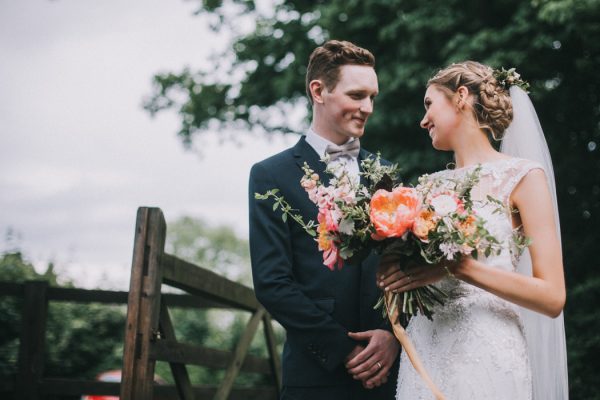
(492, 105)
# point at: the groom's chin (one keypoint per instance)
(357, 133)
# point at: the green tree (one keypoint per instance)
(217, 248)
(555, 44)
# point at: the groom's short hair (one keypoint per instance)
(325, 61)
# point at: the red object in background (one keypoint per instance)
(114, 376)
(108, 376)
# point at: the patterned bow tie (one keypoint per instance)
(349, 149)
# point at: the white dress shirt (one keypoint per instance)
(347, 162)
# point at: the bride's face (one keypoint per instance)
(442, 118)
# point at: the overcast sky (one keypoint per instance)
(78, 154)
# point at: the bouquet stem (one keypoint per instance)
(407, 345)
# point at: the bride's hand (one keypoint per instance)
(392, 278)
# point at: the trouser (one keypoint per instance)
(339, 392)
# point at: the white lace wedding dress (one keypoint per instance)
(475, 348)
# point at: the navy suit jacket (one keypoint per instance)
(316, 306)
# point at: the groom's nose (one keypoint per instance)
(366, 106)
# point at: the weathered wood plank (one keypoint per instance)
(199, 281)
(12, 289)
(75, 295)
(118, 297)
(170, 351)
(32, 340)
(179, 371)
(238, 356)
(190, 301)
(78, 295)
(132, 325)
(143, 304)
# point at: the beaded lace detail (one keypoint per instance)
(475, 346)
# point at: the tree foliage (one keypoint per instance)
(81, 339)
(555, 44)
(217, 248)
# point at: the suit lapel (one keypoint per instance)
(362, 155)
(303, 152)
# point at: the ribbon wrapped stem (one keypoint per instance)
(408, 347)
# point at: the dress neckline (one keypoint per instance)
(485, 163)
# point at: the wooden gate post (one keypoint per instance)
(143, 306)
(31, 344)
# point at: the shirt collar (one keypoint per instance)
(318, 142)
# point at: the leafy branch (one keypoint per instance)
(287, 210)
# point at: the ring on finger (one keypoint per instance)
(409, 278)
(379, 366)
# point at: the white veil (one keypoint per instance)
(545, 336)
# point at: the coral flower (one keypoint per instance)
(328, 247)
(393, 213)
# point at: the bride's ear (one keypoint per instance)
(462, 95)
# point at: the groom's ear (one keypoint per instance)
(316, 88)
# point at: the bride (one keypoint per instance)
(500, 333)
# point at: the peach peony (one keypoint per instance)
(468, 227)
(393, 213)
(424, 223)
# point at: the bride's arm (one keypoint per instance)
(543, 292)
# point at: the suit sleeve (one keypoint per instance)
(319, 334)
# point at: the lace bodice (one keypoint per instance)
(497, 181)
(475, 348)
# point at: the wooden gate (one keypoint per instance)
(149, 334)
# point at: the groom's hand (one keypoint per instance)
(372, 364)
(356, 351)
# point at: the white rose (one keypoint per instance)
(443, 204)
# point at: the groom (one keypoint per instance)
(338, 346)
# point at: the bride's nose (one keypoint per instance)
(425, 122)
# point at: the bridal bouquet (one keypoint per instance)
(431, 223)
(421, 224)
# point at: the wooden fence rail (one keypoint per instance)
(149, 333)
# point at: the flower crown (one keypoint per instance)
(510, 77)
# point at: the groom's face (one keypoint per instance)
(347, 106)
